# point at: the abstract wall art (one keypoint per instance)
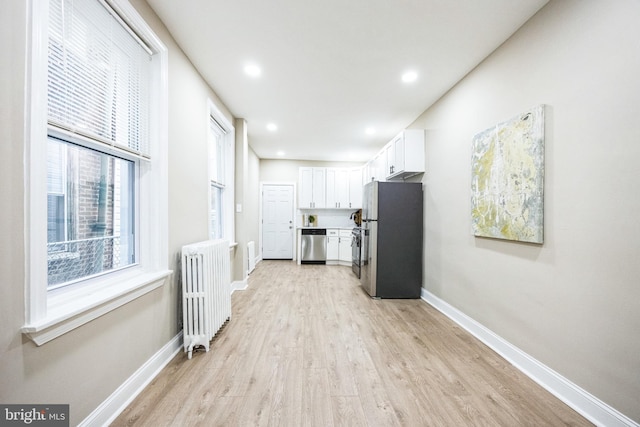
(507, 179)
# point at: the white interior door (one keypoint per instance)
(277, 221)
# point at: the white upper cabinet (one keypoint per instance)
(312, 187)
(367, 172)
(330, 188)
(405, 154)
(375, 170)
(355, 188)
(337, 188)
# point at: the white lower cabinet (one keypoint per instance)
(338, 246)
(344, 255)
(333, 245)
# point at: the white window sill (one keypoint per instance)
(67, 312)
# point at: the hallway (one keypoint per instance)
(306, 346)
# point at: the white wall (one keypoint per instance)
(247, 198)
(280, 171)
(274, 170)
(573, 303)
(83, 367)
(252, 201)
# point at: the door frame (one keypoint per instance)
(293, 213)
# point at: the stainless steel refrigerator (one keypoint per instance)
(392, 239)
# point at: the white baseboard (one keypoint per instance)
(589, 406)
(108, 410)
(338, 262)
(256, 261)
(239, 285)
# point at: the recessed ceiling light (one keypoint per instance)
(409, 76)
(280, 153)
(370, 131)
(272, 127)
(252, 70)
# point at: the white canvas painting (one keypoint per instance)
(507, 177)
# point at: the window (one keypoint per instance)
(221, 169)
(97, 86)
(90, 213)
(215, 214)
(216, 178)
(97, 155)
(56, 194)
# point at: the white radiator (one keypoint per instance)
(206, 291)
(251, 249)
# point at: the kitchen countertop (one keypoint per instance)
(326, 228)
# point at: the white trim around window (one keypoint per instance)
(229, 138)
(49, 314)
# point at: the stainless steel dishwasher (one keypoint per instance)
(314, 246)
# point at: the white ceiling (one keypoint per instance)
(332, 68)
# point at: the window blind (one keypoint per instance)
(98, 76)
(55, 168)
(216, 153)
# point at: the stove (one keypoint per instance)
(356, 251)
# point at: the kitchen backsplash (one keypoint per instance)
(327, 218)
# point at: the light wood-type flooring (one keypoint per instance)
(307, 347)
